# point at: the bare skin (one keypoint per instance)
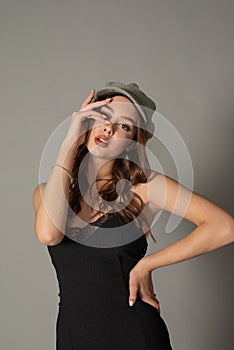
(119, 132)
(215, 227)
(46, 194)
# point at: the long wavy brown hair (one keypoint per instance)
(136, 170)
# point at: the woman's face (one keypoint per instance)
(119, 134)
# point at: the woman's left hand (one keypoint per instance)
(140, 281)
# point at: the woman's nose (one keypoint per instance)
(108, 128)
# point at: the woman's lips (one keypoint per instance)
(99, 142)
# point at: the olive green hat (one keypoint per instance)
(143, 103)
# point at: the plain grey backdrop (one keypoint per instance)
(53, 53)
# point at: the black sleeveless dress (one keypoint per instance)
(94, 313)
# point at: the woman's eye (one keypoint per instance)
(125, 127)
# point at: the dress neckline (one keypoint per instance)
(101, 217)
(93, 222)
(83, 233)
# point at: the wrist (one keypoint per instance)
(71, 179)
(68, 147)
(146, 263)
(66, 155)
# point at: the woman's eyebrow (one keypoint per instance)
(128, 118)
(122, 116)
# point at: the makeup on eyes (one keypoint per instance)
(121, 121)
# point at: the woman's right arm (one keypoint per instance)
(50, 199)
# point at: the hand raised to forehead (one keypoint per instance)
(78, 126)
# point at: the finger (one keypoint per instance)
(152, 301)
(154, 304)
(88, 99)
(89, 114)
(100, 119)
(157, 306)
(155, 298)
(96, 104)
(132, 293)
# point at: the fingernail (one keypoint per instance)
(108, 99)
(92, 90)
(131, 303)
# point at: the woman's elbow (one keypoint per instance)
(231, 230)
(47, 238)
(226, 226)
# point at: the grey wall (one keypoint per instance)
(52, 53)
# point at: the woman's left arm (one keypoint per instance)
(215, 227)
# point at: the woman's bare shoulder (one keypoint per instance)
(154, 174)
(142, 189)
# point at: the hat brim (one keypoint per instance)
(103, 92)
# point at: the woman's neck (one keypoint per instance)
(98, 168)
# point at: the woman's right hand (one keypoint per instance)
(79, 126)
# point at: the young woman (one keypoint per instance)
(95, 226)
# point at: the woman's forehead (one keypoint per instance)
(121, 106)
(121, 98)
